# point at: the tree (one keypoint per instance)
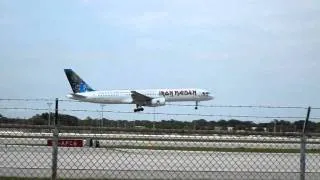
(38, 120)
(87, 121)
(68, 120)
(222, 122)
(299, 125)
(200, 124)
(259, 129)
(317, 127)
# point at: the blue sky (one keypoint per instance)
(245, 52)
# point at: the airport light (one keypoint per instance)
(154, 118)
(102, 106)
(275, 126)
(49, 110)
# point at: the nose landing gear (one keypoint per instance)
(196, 105)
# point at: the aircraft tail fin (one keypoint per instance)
(77, 84)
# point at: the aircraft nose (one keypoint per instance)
(211, 97)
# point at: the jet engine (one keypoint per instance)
(157, 102)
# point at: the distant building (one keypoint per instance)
(230, 129)
(240, 131)
(217, 128)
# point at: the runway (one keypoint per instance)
(35, 161)
(116, 140)
(168, 143)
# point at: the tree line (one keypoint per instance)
(274, 125)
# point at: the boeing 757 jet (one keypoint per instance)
(146, 97)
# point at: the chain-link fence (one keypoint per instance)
(52, 146)
(29, 151)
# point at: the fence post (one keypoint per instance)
(55, 144)
(303, 147)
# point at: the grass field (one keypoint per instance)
(253, 150)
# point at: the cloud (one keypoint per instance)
(148, 18)
(88, 55)
(152, 44)
(5, 21)
(86, 1)
(222, 45)
(271, 17)
(211, 56)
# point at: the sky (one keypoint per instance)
(245, 52)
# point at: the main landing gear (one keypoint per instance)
(138, 109)
(196, 105)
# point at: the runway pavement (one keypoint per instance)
(35, 161)
(218, 143)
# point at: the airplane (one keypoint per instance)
(146, 97)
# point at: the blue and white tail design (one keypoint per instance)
(77, 84)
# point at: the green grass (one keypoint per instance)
(214, 149)
(35, 178)
(23, 178)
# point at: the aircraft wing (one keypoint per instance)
(138, 97)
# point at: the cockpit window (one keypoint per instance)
(205, 93)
